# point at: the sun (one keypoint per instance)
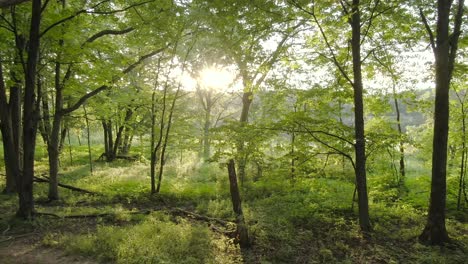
(215, 78)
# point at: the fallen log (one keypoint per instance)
(73, 188)
(174, 211)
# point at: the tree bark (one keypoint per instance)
(162, 160)
(247, 98)
(360, 146)
(53, 146)
(90, 157)
(206, 131)
(118, 137)
(401, 180)
(9, 127)
(445, 46)
(155, 146)
(30, 118)
(242, 232)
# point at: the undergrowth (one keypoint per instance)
(310, 219)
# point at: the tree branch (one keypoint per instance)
(142, 58)
(118, 10)
(328, 145)
(370, 21)
(273, 57)
(108, 32)
(76, 189)
(90, 11)
(84, 98)
(428, 29)
(63, 20)
(455, 36)
(324, 36)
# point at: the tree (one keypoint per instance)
(444, 45)
(241, 40)
(460, 115)
(352, 11)
(111, 77)
(30, 114)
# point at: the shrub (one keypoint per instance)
(155, 240)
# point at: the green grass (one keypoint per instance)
(308, 220)
(155, 240)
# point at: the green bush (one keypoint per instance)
(155, 240)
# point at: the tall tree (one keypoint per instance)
(241, 41)
(30, 116)
(444, 45)
(353, 12)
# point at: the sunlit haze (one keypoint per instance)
(215, 78)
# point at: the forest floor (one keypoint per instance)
(28, 251)
(190, 221)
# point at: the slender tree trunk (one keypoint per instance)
(127, 141)
(155, 147)
(360, 146)
(9, 115)
(118, 137)
(63, 135)
(70, 150)
(462, 170)
(293, 158)
(293, 153)
(247, 98)
(30, 117)
(166, 139)
(89, 141)
(206, 131)
(401, 180)
(11, 164)
(108, 140)
(44, 123)
(242, 232)
(53, 146)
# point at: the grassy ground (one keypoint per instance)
(309, 220)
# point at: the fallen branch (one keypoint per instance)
(8, 238)
(173, 211)
(196, 216)
(37, 179)
(229, 230)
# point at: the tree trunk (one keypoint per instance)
(53, 146)
(11, 164)
(88, 139)
(15, 112)
(360, 146)
(30, 117)
(127, 142)
(401, 180)
(108, 140)
(162, 160)
(206, 131)
(462, 168)
(293, 155)
(155, 146)
(118, 137)
(9, 115)
(247, 98)
(435, 231)
(242, 232)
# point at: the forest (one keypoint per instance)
(233, 131)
